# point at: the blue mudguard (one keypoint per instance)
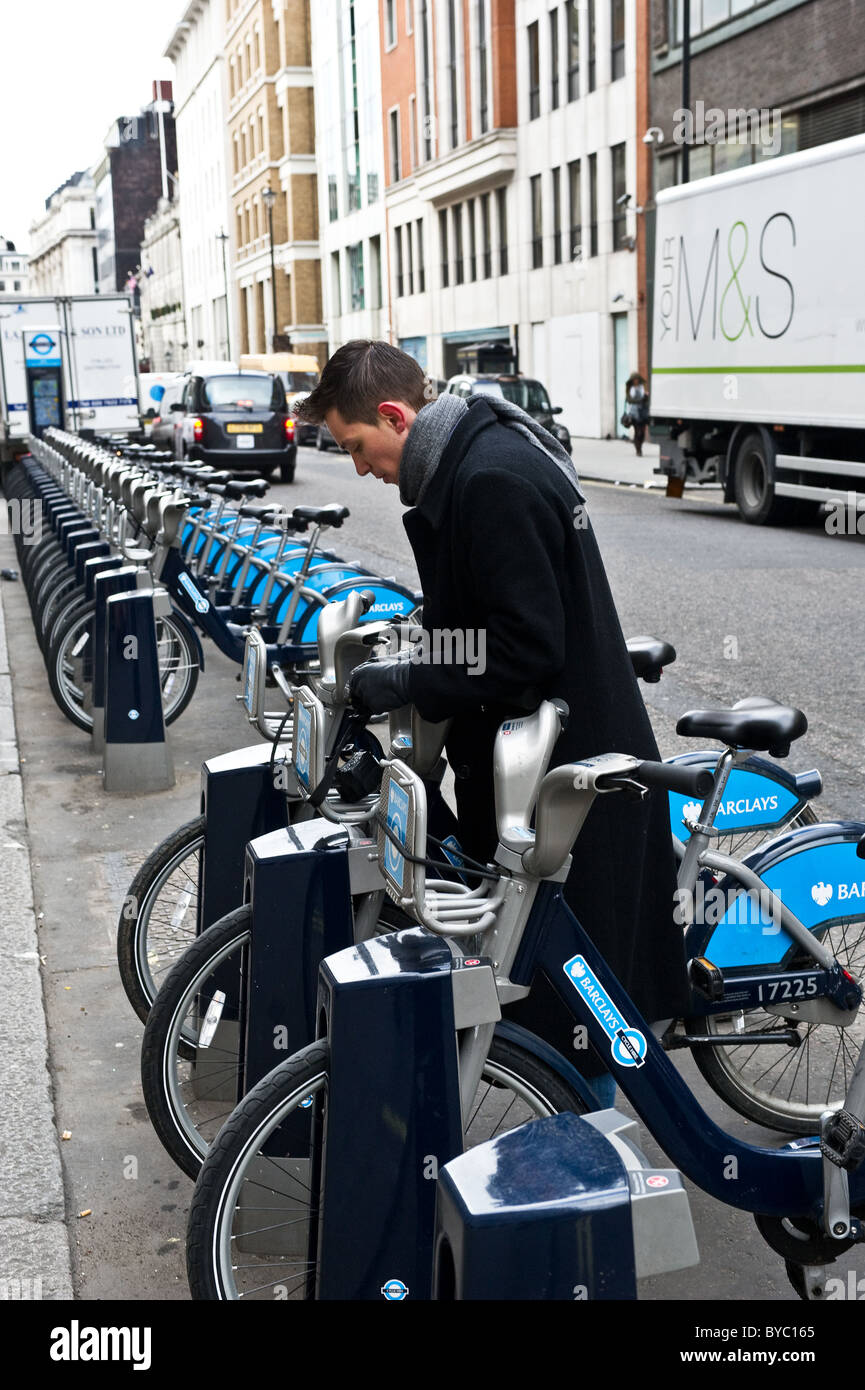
(392, 600)
(817, 875)
(759, 795)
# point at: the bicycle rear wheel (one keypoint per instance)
(251, 1213)
(783, 1087)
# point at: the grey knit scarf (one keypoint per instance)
(434, 425)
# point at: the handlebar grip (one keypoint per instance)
(673, 777)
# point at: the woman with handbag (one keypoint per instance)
(636, 414)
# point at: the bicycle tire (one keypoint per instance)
(235, 1151)
(183, 1118)
(69, 697)
(135, 938)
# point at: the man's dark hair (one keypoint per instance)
(361, 375)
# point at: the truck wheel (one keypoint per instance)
(754, 489)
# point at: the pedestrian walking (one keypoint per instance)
(636, 414)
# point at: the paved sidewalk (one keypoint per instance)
(614, 461)
(35, 1258)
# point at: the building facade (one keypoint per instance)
(63, 257)
(136, 169)
(196, 49)
(163, 326)
(272, 176)
(350, 151)
(511, 174)
(14, 269)
(802, 61)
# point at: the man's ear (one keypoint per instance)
(394, 413)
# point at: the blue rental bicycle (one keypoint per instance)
(409, 1025)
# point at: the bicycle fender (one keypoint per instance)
(759, 795)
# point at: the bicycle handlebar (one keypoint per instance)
(690, 781)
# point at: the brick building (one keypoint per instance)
(271, 130)
(131, 177)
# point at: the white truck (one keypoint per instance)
(758, 334)
(66, 361)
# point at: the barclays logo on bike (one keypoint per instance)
(627, 1045)
(822, 893)
(394, 1291)
(201, 603)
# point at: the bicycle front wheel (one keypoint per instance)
(159, 917)
(254, 1203)
(177, 658)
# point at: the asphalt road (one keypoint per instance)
(749, 611)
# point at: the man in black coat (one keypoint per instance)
(504, 548)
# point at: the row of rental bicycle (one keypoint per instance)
(339, 1041)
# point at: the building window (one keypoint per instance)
(452, 74)
(593, 205)
(355, 271)
(336, 288)
(372, 188)
(537, 223)
(706, 14)
(332, 198)
(409, 26)
(502, 211)
(557, 216)
(617, 46)
(473, 250)
(412, 128)
(375, 253)
(457, 213)
(554, 60)
(95, 268)
(426, 112)
(353, 190)
(620, 222)
(409, 258)
(390, 24)
(395, 161)
(421, 261)
(576, 210)
(443, 247)
(534, 73)
(397, 247)
(573, 51)
(486, 242)
(483, 93)
(590, 35)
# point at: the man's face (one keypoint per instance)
(375, 449)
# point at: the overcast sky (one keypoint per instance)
(70, 68)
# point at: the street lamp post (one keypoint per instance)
(222, 235)
(269, 198)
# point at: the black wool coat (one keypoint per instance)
(499, 547)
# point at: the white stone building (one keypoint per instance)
(63, 243)
(14, 269)
(350, 148)
(201, 124)
(576, 159)
(160, 283)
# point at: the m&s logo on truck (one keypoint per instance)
(727, 280)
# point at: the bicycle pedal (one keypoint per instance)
(842, 1140)
(706, 978)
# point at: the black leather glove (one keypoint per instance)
(379, 686)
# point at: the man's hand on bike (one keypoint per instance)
(379, 686)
